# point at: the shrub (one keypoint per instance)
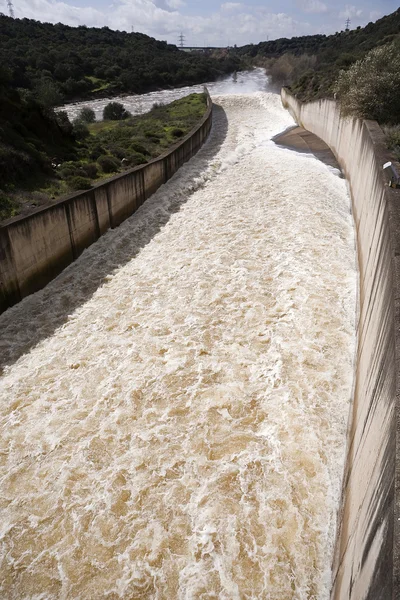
(177, 132)
(138, 148)
(90, 170)
(87, 115)
(288, 68)
(79, 183)
(392, 133)
(96, 151)
(114, 111)
(80, 129)
(117, 151)
(136, 158)
(8, 207)
(108, 164)
(63, 122)
(370, 88)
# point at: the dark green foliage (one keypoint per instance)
(87, 115)
(64, 123)
(95, 151)
(79, 183)
(90, 170)
(32, 137)
(108, 164)
(80, 129)
(8, 208)
(139, 148)
(69, 169)
(392, 133)
(136, 140)
(136, 158)
(370, 88)
(177, 132)
(47, 92)
(86, 62)
(333, 53)
(114, 111)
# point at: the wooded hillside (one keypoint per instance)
(332, 53)
(82, 62)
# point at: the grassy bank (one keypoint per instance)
(108, 148)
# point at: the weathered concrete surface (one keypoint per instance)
(367, 558)
(298, 138)
(36, 248)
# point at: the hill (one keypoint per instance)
(332, 53)
(31, 140)
(83, 62)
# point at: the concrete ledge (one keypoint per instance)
(36, 248)
(299, 139)
(366, 564)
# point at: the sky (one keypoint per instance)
(208, 22)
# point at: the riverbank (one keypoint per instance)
(110, 147)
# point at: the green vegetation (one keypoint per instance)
(114, 111)
(323, 56)
(105, 148)
(392, 133)
(61, 63)
(87, 115)
(370, 88)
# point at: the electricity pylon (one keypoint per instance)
(10, 8)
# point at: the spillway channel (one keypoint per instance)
(174, 406)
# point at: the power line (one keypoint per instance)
(181, 40)
(10, 8)
(348, 24)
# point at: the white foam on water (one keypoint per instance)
(175, 405)
(247, 82)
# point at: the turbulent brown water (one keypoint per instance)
(174, 406)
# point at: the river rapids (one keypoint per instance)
(174, 406)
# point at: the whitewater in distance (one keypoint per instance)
(174, 406)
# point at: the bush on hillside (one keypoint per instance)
(79, 183)
(80, 129)
(87, 115)
(288, 68)
(108, 164)
(370, 89)
(114, 111)
(63, 122)
(90, 170)
(392, 133)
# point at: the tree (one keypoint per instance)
(114, 111)
(63, 122)
(47, 93)
(87, 115)
(370, 89)
(80, 129)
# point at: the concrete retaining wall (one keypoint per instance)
(366, 563)
(36, 248)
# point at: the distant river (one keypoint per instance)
(248, 82)
(174, 406)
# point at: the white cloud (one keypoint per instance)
(350, 11)
(374, 15)
(163, 21)
(175, 4)
(313, 6)
(232, 6)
